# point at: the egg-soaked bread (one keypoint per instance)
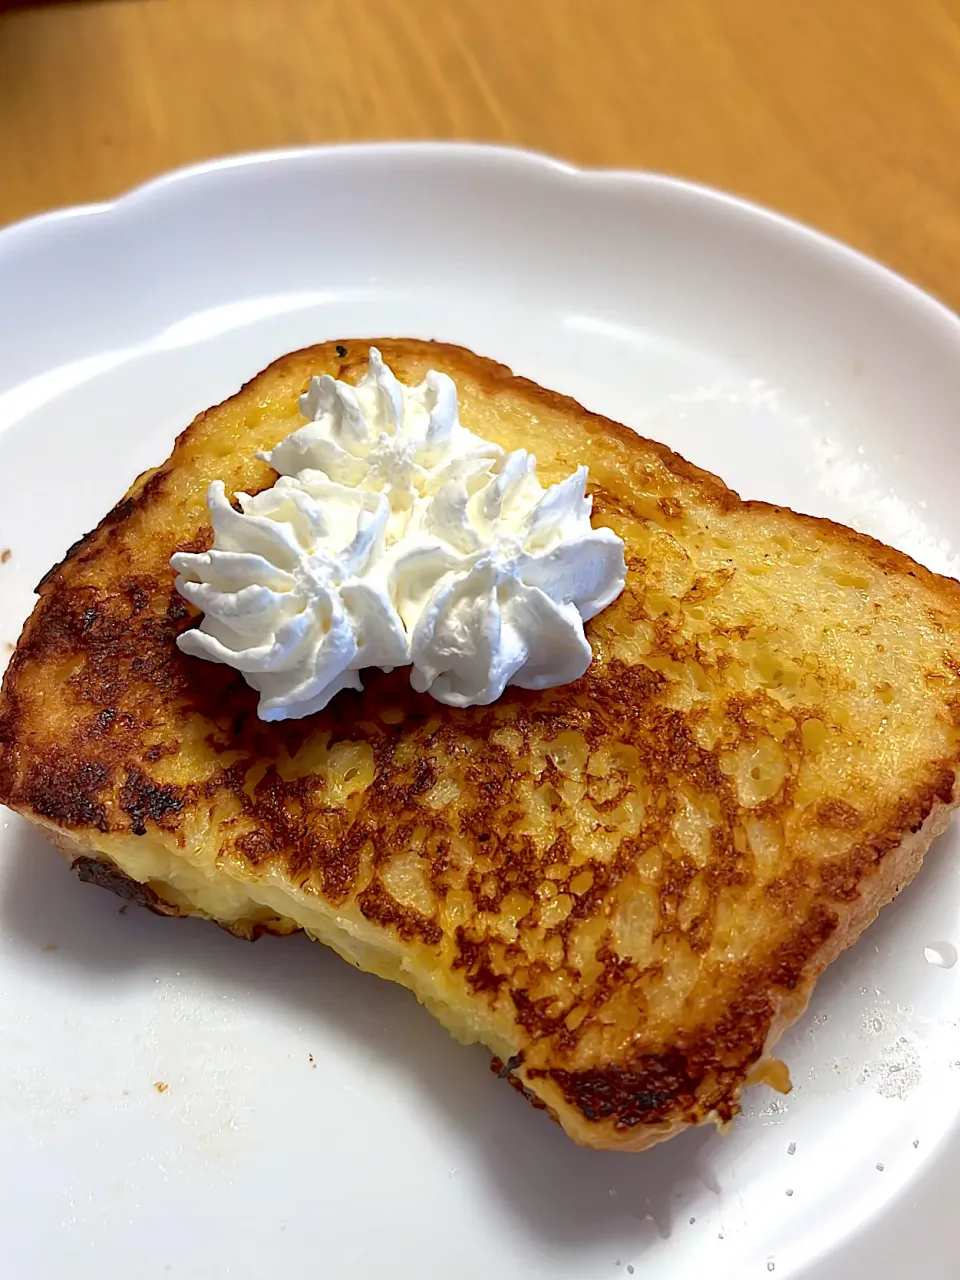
(625, 887)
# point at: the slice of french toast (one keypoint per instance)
(625, 887)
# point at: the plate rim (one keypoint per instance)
(493, 153)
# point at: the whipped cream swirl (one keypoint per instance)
(497, 580)
(290, 593)
(396, 536)
(383, 437)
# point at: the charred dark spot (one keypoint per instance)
(177, 610)
(100, 872)
(473, 957)
(137, 594)
(67, 790)
(145, 801)
(121, 511)
(644, 1095)
(377, 905)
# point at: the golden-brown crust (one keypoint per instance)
(626, 886)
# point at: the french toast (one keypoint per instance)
(625, 887)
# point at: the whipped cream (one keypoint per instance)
(290, 592)
(383, 437)
(496, 580)
(396, 536)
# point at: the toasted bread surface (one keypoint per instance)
(625, 887)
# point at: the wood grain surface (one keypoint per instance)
(844, 113)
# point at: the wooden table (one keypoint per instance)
(844, 113)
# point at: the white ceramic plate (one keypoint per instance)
(316, 1120)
